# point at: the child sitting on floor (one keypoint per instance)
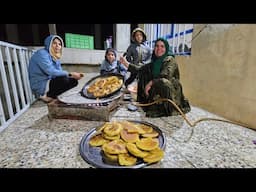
(111, 65)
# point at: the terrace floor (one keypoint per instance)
(36, 141)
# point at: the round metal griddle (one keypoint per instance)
(86, 94)
(95, 157)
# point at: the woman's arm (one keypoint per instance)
(76, 75)
(130, 66)
(148, 87)
(46, 64)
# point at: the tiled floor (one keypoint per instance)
(35, 141)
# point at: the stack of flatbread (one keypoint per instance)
(104, 86)
(126, 143)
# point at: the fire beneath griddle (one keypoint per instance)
(74, 105)
(77, 99)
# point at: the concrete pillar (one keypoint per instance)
(12, 33)
(35, 33)
(52, 29)
(97, 37)
(122, 37)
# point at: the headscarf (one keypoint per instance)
(158, 61)
(48, 46)
(55, 55)
(106, 65)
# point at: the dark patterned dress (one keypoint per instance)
(166, 85)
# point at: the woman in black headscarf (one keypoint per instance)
(159, 79)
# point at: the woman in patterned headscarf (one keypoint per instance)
(159, 79)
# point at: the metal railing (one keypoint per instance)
(15, 93)
(179, 36)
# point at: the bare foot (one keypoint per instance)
(46, 99)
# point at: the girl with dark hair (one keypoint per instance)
(110, 64)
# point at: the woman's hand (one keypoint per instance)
(76, 75)
(124, 61)
(148, 87)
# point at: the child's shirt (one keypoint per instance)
(115, 67)
(139, 53)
